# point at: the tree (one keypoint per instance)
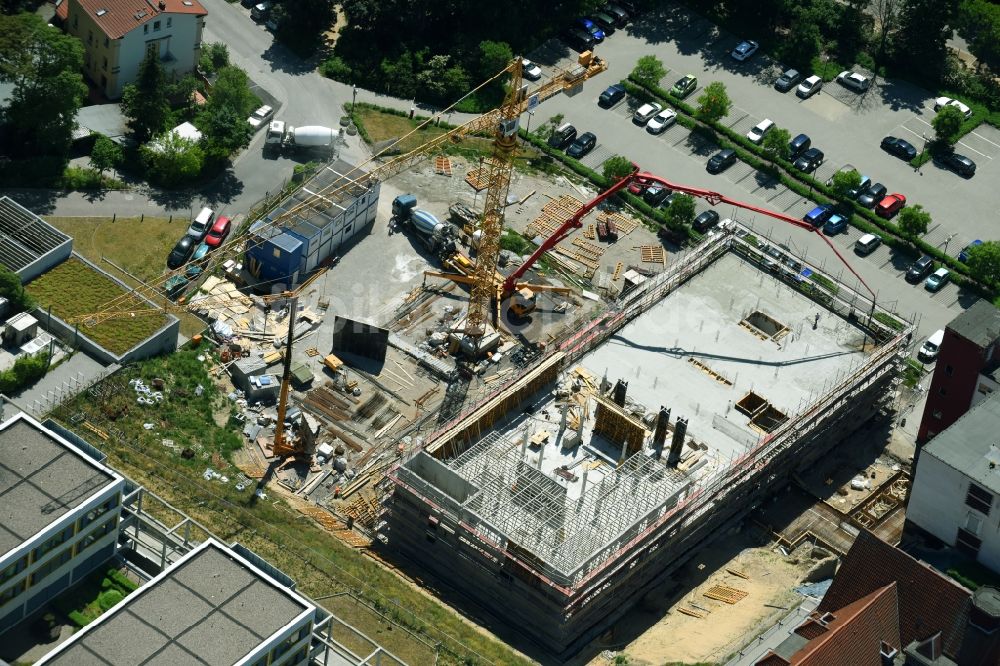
(432, 79)
(984, 262)
(398, 75)
(886, 14)
(921, 43)
(172, 159)
(978, 23)
(214, 57)
(775, 143)
(714, 103)
(12, 289)
(232, 91)
(948, 124)
(106, 154)
(493, 57)
(802, 45)
(145, 102)
(43, 67)
(681, 210)
(844, 182)
(649, 70)
(617, 167)
(225, 131)
(456, 83)
(301, 23)
(914, 220)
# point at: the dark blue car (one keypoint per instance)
(592, 28)
(819, 215)
(835, 225)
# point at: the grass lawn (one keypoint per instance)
(96, 594)
(140, 247)
(382, 126)
(320, 564)
(73, 288)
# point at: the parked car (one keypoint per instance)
(899, 147)
(809, 87)
(937, 279)
(759, 130)
(818, 215)
(722, 160)
(661, 121)
(920, 269)
(854, 81)
(583, 145)
(788, 80)
(181, 252)
(201, 224)
(260, 117)
(219, 231)
(684, 86)
(835, 225)
(705, 221)
(862, 187)
(867, 244)
(591, 27)
(960, 164)
(798, 145)
(637, 187)
(605, 21)
(562, 136)
(174, 285)
(890, 205)
(643, 114)
(744, 50)
(929, 350)
(620, 15)
(611, 95)
(260, 11)
(656, 195)
(530, 70)
(248, 3)
(963, 256)
(201, 251)
(810, 160)
(872, 195)
(942, 102)
(579, 40)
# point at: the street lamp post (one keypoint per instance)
(921, 167)
(946, 241)
(354, 97)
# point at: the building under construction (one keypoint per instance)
(557, 501)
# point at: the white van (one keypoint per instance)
(929, 350)
(757, 133)
(202, 223)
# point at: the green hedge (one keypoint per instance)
(806, 186)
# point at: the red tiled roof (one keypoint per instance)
(855, 634)
(120, 17)
(928, 601)
(62, 9)
(772, 659)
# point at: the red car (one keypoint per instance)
(890, 205)
(217, 234)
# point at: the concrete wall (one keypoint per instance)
(163, 341)
(51, 258)
(937, 506)
(953, 385)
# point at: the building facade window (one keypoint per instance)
(76, 21)
(51, 565)
(105, 63)
(98, 511)
(96, 534)
(107, 42)
(967, 542)
(170, 20)
(979, 499)
(12, 591)
(156, 26)
(153, 49)
(54, 542)
(145, 29)
(90, 37)
(13, 569)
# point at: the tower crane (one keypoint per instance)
(516, 103)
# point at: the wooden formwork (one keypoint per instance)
(617, 427)
(624, 223)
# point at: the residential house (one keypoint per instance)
(117, 35)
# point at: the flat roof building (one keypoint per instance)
(58, 516)
(29, 246)
(211, 607)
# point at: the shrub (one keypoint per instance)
(335, 68)
(26, 371)
(109, 598)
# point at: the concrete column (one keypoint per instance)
(621, 388)
(660, 432)
(677, 444)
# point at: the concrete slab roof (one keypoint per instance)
(42, 477)
(980, 323)
(971, 444)
(211, 607)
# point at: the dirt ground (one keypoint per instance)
(724, 627)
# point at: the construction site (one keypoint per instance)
(590, 476)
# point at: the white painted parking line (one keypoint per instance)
(959, 143)
(980, 136)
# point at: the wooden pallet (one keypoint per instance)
(589, 232)
(653, 254)
(618, 270)
(312, 351)
(729, 595)
(591, 250)
(552, 216)
(442, 165)
(740, 574)
(577, 256)
(624, 223)
(691, 612)
(478, 178)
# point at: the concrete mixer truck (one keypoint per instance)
(281, 136)
(438, 237)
